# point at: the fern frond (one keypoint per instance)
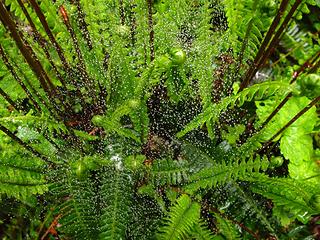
(299, 43)
(78, 207)
(227, 228)
(36, 121)
(202, 54)
(21, 175)
(116, 194)
(201, 232)
(169, 172)
(290, 195)
(251, 207)
(21, 183)
(182, 216)
(145, 219)
(256, 92)
(245, 25)
(111, 126)
(221, 173)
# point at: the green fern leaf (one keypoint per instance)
(169, 172)
(77, 208)
(21, 183)
(201, 232)
(20, 178)
(116, 198)
(182, 216)
(290, 195)
(258, 91)
(227, 228)
(221, 173)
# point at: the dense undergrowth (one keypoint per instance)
(158, 119)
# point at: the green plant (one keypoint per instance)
(159, 119)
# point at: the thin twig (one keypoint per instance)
(265, 42)
(151, 32)
(82, 66)
(83, 25)
(25, 145)
(17, 78)
(42, 42)
(295, 118)
(49, 33)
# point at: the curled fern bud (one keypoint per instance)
(123, 31)
(309, 85)
(97, 120)
(80, 169)
(315, 201)
(133, 103)
(276, 162)
(178, 56)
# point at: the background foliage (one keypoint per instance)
(159, 119)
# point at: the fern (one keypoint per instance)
(77, 208)
(299, 43)
(202, 233)
(204, 55)
(227, 228)
(94, 94)
(212, 113)
(20, 178)
(222, 173)
(181, 218)
(245, 26)
(21, 183)
(34, 122)
(169, 172)
(250, 205)
(291, 196)
(117, 196)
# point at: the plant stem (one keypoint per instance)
(82, 66)
(285, 100)
(16, 77)
(9, 100)
(28, 54)
(264, 43)
(42, 42)
(41, 99)
(315, 67)
(276, 38)
(55, 44)
(83, 25)
(49, 33)
(275, 111)
(295, 118)
(23, 144)
(26, 50)
(151, 32)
